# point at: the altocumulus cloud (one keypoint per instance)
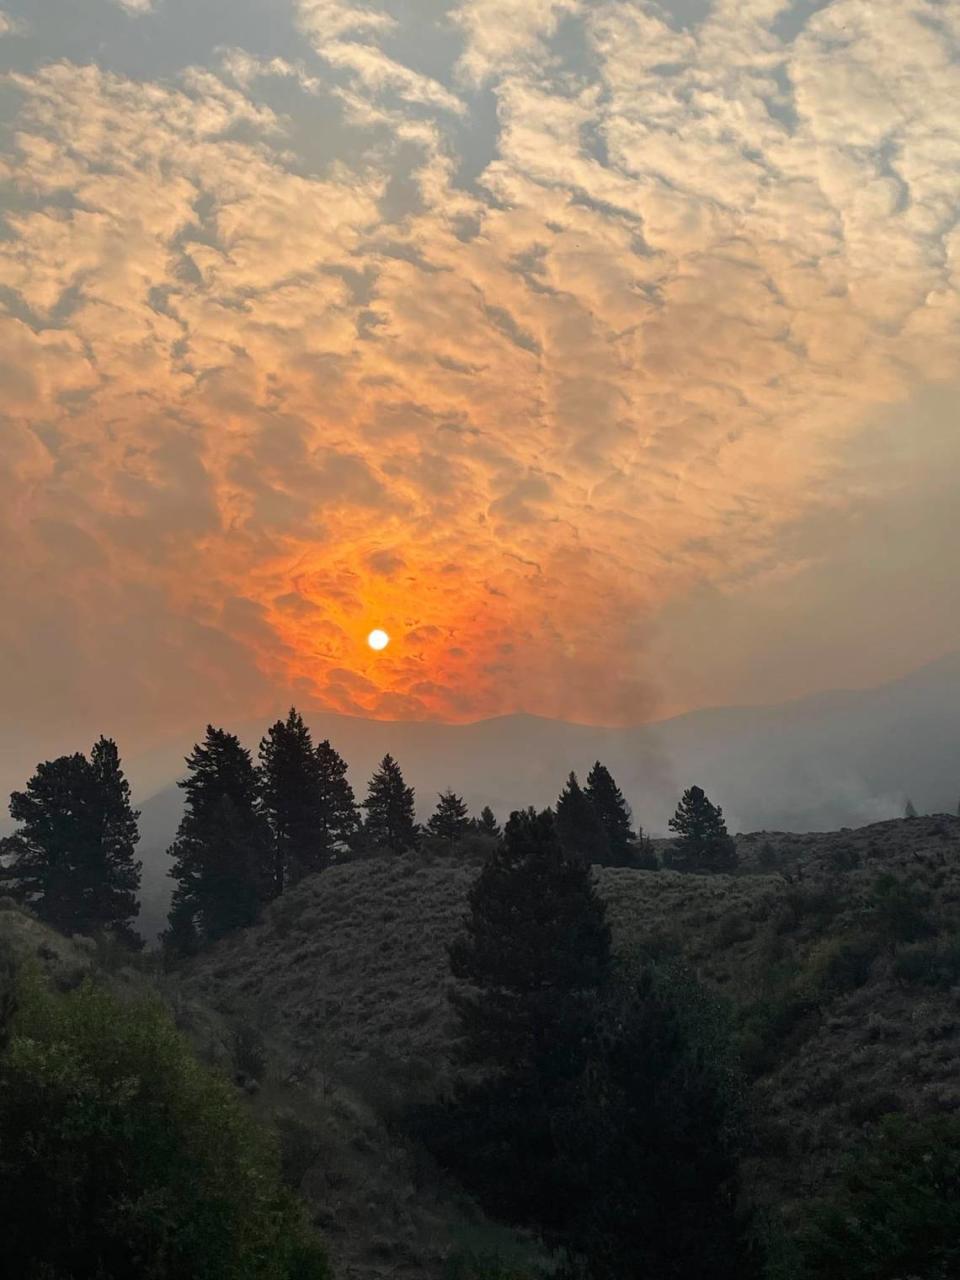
(503, 327)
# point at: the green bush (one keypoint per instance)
(929, 964)
(898, 910)
(122, 1156)
(896, 1211)
(843, 964)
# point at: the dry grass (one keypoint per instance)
(342, 990)
(350, 971)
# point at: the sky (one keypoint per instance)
(605, 354)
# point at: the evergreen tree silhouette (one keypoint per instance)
(223, 856)
(72, 859)
(610, 807)
(487, 823)
(909, 809)
(449, 820)
(579, 826)
(704, 843)
(534, 955)
(290, 798)
(390, 812)
(535, 949)
(339, 816)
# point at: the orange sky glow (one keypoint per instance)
(574, 344)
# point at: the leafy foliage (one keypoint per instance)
(122, 1156)
(72, 859)
(704, 843)
(896, 1212)
(652, 1138)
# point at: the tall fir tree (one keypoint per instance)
(610, 807)
(290, 798)
(339, 817)
(534, 956)
(487, 824)
(450, 820)
(223, 856)
(390, 809)
(115, 890)
(72, 859)
(703, 843)
(534, 951)
(579, 826)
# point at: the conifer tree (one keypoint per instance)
(390, 808)
(610, 807)
(339, 818)
(114, 900)
(535, 949)
(579, 826)
(487, 824)
(534, 953)
(449, 820)
(290, 798)
(704, 843)
(909, 809)
(223, 857)
(72, 859)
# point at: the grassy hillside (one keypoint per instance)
(839, 954)
(844, 993)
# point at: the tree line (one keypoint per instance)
(251, 828)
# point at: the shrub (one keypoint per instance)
(898, 910)
(929, 964)
(896, 1211)
(843, 964)
(123, 1156)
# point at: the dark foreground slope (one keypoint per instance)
(840, 954)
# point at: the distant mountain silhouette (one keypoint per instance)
(818, 763)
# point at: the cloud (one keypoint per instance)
(507, 333)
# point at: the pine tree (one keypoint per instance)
(487, 824)
(704, 843)
(608, 804)
(579, 826)
(390, 812)
(535, 949)
(290, 798)
(339, 819)
(909, 809)
(449, 820)
(72, 859)
(223, 857)
(535, 953)
(115, 902)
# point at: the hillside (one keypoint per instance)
(840, 1021)
(835, 759)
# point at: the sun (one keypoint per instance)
(378, 639)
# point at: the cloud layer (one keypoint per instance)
(505, 328)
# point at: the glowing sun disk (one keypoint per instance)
(378, 639)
